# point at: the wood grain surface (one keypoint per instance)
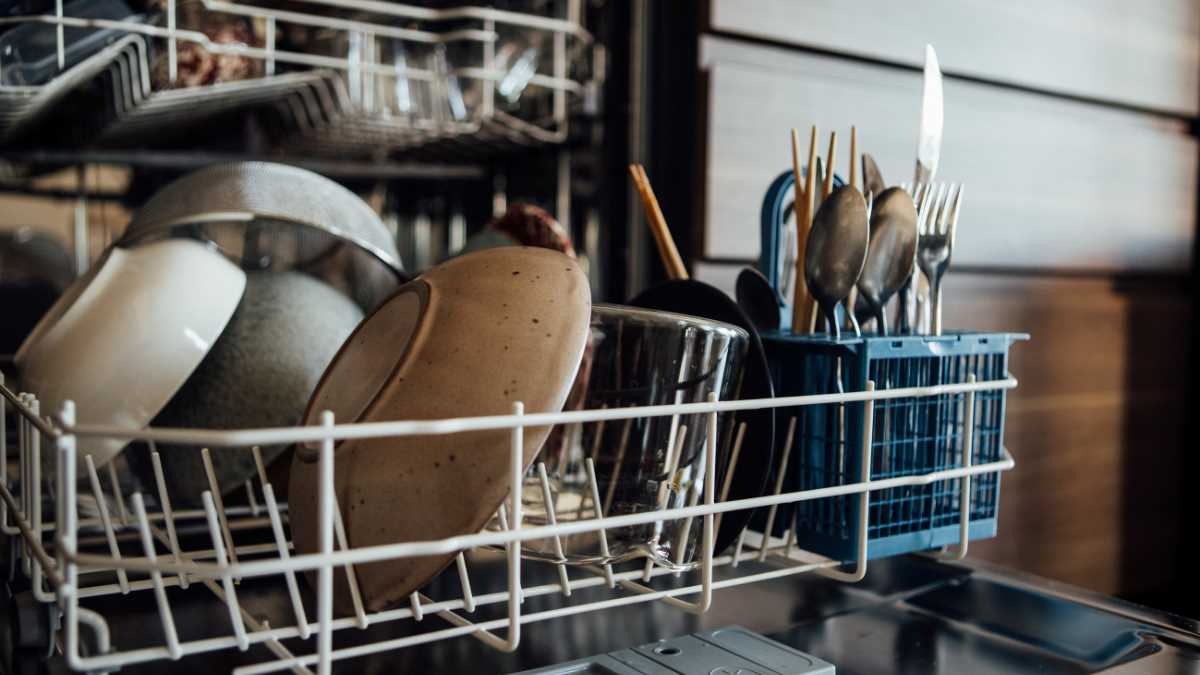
(1050, 183)
(1136, 53)
(1096, 425)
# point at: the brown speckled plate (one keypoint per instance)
(467, 338)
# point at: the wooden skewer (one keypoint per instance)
(801, 205)
(797, 172)
(853, 297)
(829, 164)
(803, 305)
(658, 224)
(854, 158)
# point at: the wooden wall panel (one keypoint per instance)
(1144, 53)
(1096, 425)
(1049, 183)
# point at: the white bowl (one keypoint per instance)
(123, 339)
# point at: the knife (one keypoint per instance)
(929, 150)
(929, 140)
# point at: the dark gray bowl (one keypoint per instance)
(259, 373)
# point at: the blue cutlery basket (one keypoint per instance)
(911, 436)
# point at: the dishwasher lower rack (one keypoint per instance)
(76, 563)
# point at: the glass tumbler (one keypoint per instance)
(636, 357)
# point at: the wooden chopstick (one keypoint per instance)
(854, 159)
(658, 224)
(803, 305)
(797, 172)
(828, 187)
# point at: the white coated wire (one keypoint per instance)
(218, 568)
(340, 124)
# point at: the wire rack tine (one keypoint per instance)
(282, 548)
(864, 500)
(215, 488)
(414, 603)
(548, 500)
(516, 472)
(249, 486)
(682, 542)
(326, 503)
(674, 451)
(64, 534)
(771, 511)
(35, 489)
(733, 463)
(595, 493)
(259, 467)
(109, 534)
(160, 593)
(339, 529)
(118, 496)
(214, 530)
(67, 535)
(164, 500)
(464, 580)
(23, 461)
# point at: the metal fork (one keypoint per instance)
(937, 218)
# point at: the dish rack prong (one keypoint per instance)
(75, 556)
(344, 122)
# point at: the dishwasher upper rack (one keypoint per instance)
(344, 120)
(60, 560)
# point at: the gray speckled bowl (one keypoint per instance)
(259, 373)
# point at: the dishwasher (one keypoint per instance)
(479, 466)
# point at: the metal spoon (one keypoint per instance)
(836, 251)
(758, 300)
(891, 253)
(872, 178)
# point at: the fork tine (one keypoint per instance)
(954, 214)
(938, 210)
(951, 199)
(944, 214)
(923, 210)
(935, 207)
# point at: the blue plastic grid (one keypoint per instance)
(911, 436)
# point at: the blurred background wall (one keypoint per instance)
(1073, 126)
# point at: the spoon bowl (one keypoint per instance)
(758, 300)
(836, 251)
(891, 252)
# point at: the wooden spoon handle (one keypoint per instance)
(658, 224)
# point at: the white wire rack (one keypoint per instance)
(331, 101)
(73, 560)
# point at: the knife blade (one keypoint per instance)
(929, 139)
